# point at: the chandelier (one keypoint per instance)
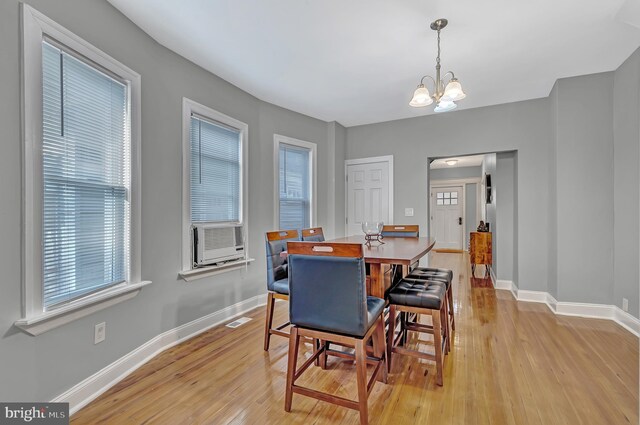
(445, 95)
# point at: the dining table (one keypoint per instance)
(389, 251)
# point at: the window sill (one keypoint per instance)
(36, 325)
(199, 273)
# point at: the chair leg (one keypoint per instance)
(391, 334)
(361, 376)
(269, 320)
(382, 349)
(437, 342)
(294, 340)
(451, 313)
(323, 357)
(403, 332)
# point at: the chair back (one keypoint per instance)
(327, 289)
(276, 242)
(401, 231)
(313, 234)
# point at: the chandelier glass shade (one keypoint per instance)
(445, 93)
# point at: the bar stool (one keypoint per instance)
(314, 234)
(437, 274)
(328, 302)
(277, 278)
(419, 297)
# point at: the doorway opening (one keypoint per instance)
(466, 190)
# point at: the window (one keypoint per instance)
(81, 150)
(295, 183)
(214, 151)
(215, 172)
(447, 198)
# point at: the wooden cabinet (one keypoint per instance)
(480, 251)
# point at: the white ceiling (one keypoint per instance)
(358, 61)
(463, 161)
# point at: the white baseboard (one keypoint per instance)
(563, 308)
(88, 390)
(504, 284)
(626, 320)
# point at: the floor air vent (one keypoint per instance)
(241, 321)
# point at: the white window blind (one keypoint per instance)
(215, 172)
(295, 199)
(86, 177)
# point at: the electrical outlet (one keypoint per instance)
(100, 333)
(408, 212)
(625, 304)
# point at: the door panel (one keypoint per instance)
(367, 195)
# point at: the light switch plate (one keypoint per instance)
(408, 212)
(100, 333)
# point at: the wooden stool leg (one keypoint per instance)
(294, 340)
(437, 342)
(382, 349)
(444, 319)
(269, 321)
(361, 376)
(451, 312)
(391, 334)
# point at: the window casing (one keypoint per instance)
(81, 200)
(214, 173)
(295, 183)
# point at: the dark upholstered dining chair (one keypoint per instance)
(314, 234)
(277, 278)
(328, 302)
(400, 231)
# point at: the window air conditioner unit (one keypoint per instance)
(215, 244)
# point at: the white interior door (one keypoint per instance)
(446, 216)
(368, 194)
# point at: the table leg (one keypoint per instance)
(377, 280)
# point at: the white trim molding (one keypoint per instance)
(89, 389)
(48, 320)
(564, 308)
(313, 174)
(36, 27)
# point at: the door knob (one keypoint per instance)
(460, 221)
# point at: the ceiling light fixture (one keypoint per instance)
(445, 95)
(451, 161)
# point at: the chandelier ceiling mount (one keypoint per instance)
(445, 95)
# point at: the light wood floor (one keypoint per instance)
(510, 363)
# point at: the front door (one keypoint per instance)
(446, 217)
(367, 194)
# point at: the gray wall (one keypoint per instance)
(505, 232)
(455, 173)
(626, 181)
(489, 166)
(521, 126)
(471, 211)
(563, 188)
(39, 368)
(552, 212)
(584, 183)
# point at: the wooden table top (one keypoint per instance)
(394, 250)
